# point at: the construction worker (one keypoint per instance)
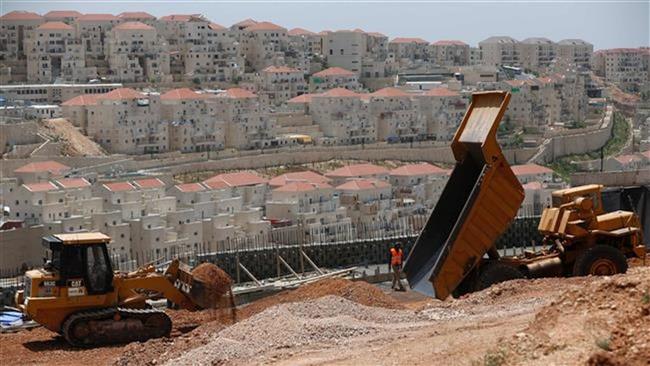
(396, 257)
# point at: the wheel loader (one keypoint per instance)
(455, 253)
(78, 295)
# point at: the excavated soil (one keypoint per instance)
(562, 321)
(74, 142)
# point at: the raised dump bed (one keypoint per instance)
(478, 203)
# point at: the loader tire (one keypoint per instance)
(495, 272)
(600, 260)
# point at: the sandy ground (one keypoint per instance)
(74, 142)
(570, 321)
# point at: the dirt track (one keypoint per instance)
(595, 320)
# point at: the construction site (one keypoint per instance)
(482, 287)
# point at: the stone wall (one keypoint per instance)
(613, 179)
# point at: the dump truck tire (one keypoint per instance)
(495, 272)
(600, 260)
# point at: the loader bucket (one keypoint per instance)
(476, 206)
(205, 285)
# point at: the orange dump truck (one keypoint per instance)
(481, 199)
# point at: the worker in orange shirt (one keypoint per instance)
(396, 258)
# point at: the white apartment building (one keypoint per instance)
(422, 183)
(343, 117)
(308, 204)
(500, 50)
(395, 115)
(443, 110)
(345, 49)
(137, 54)
(93, 30)
(409, 48)
(450, 53)
(40, 171)
(264, 44)
(368, 201)
(14, 28)
(128, 122)
(55, 53)
(246, 125)
(277, 84)
(536, 53)
(627, 67)
(251, 187)
(333, 77)
(137, 16)
(527, 173)
(193, 122)
(304, 176)
(574, 52)
(306, 41)
(65, 16)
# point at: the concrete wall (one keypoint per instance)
(613, 179)
(21, 246)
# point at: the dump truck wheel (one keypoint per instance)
(495, 272)
(600, 260)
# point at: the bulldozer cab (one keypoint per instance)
(569, 195)
(80, 261)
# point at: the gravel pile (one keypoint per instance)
(329, 320)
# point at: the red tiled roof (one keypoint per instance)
(446, 42)
(84, 99)
(182, 94)
(245, 23)
(442, 92)
(40, 187)
(627, 159)
(389, 92)
(334, 71)
(303, 98)
(376, 34)
(517, 83)
(216, 184)
(301, 186)
(533, 185)
(646, 154)
(20, 15)
(418, 169)
(148, 183)
(216, 27)
(73, 183)
(300, 32)
(119, 186)
(357, 170)
(265, 26)
(190, 187)
(362, 184)
(135, 15)
(179, 17)
(121, 94)
(280, 69)
(59, 14)
(238, 179)
(134, 26)
(54, 26)
(409, 40)
(306, 176)
(339, 93)
(53, 167)
(97, 17)
(237, 93)
(530, 169)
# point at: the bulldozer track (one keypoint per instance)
(115, 325)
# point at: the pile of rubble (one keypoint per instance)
(329, 320)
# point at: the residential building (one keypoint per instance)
(137, 54)
(574, 52)
(357, 171)
(343, 117)
(138, 16)
(128, 122)
(306, 41)
(422, 183)
(536, 53)
(368, 202)
(450, 53)
(246, 125)
(55, 53)
(65, 16)
(39, 171)
(442, 110)
(345, 49)
(333, 77)
(409, 48)
(303, 176)
(500, 50)
(51, 93)
(193, 122)
(395, 115)
(14, 29)
(251, 187)
(278, 84)
(93, 30)
(527, 173)
(264, 44)
(627, 67)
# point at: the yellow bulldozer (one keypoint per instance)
(77, 293)
(456, 253)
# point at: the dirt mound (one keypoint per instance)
(602, 322)
(74, 142)
(213, 276)
(356, 291)
(328, 320)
